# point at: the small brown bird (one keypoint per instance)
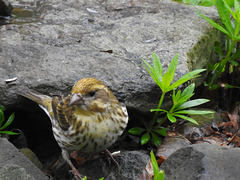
(88, 120)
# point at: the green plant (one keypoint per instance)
(9, 121)
(158, 174)
(230, 27)
(205, 2)
(180, 100)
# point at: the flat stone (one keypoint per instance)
(69, 40)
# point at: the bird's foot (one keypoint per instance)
(76, 174)
(112, 156)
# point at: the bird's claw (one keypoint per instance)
(76, 174)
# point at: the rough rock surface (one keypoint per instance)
(131, 164)
(203, 162)
(14, 165)
(65, 41)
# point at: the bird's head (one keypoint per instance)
(91, 94)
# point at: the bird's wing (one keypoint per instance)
(62, 112)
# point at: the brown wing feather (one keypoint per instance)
(62, 112)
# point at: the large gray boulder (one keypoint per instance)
(69, 40)
(203, 162)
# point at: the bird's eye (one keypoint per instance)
(92, 93)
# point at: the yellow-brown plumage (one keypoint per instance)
(88, 120)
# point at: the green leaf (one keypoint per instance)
(186, 77)
(2, 108)
(152, 73)
(85, 178)
(188, 90)
(145, 138)
(157, 66)
(101, 178)
(156, 139)
(169, 75)
(163, 110)
(136, 130)
(220, 28)
(224, 10)
(192, 103)
(9, 121)
(227, 86)
(160, 175)
(154, 164)
(162, 132)
(171, 118)
(193, 112)
(9, 132)
(187, 118)
(1, 117)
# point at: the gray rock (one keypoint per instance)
(69, 40)
(14, 172)
(203, 162)
(5, 8)
(130, 167)
(15, 166)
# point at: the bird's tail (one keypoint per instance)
(36, 97)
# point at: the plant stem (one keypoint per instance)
(157, 112)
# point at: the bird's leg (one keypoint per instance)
(109, 154)
(75, 172)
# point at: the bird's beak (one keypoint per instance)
(76, 99)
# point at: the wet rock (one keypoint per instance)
(5, 8)
(203, 162)
(14, 164)
(70, 40)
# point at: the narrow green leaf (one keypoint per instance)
(227, 86)
(192, 103)
(145, 138)
(166, 81)
(162, 132)
(2, 108)
(169, 75)
(188, 90)
(136, 130)
(224, 10)
(156, 139)
(171, 118)
(186, 77)
(157, 66)
(187, 118)
(193, 112)
(220, 28)
(160, 175)
(163, 110)
(9, 121)
(1, 117)
(9, 132)
(154, 164)
(85, 178)
(152, 72)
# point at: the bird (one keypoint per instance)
(88, 120)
